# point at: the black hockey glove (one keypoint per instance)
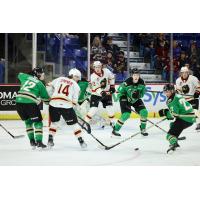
(196, 95)
(185, 89)
(165, 112)
(103, 83)
(103, 94)
(136, 94)
(112, 89)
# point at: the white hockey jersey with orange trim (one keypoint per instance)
(65, 92)
(96, 79)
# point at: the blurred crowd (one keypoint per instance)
(156, 50)
(110, 55)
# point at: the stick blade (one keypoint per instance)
(18, 136)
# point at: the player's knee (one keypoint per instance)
(38, 125)
(28, 123)
(143, 113)
(125, 116)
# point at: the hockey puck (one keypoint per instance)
(136, 149)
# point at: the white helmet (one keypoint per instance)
(184, 69)
(75, 72)
(97, 64)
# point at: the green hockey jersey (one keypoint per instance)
(83, 84)
(31, 90)
(180, 108)
(128, 87)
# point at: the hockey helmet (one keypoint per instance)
(75, 72)
(134, 71)
(184, 69)
(97, 64)
(168, 87)
(37, 71)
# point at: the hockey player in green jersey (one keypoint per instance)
(27, 102)
(130, 93)
(83, 84)
(179, 109)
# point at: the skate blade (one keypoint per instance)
(115, 137)
(50, 146)
(42, 149)
(84, 148)
(33, 147)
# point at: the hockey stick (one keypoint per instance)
(88, 130)
(180, 138)
(126, 139)
(13, 136)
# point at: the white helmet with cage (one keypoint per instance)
(75, 72)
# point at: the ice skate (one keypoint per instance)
(40, 145)
(143, 132)
(173, 147)
(115, 134)
(198, 127)
(82, 143)
(33, 144)
(50, 143)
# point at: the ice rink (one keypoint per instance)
(152, 149)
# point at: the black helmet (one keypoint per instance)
(168, 87)
(134, 71)
(37, 71)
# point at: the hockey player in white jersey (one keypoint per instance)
(189, 86)
(65, 96)
(102, 87)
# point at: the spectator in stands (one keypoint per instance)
(195, 69)
(121, 64)
(183, 59)
(176, 49)
(112, 47)
(149, 53)
(110, 61)
(161, 56)
(159, 38)
(193, 51)
(166, 69)
(97, 50)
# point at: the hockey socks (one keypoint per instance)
(29, 129)
(121, 121)
(38, 131)
(172, 139)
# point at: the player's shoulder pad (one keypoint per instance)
(128, 81)
(178, 96)
(141, 81)
(106, 70)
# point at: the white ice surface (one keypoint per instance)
(152, 149)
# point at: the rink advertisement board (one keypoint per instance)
(7, 97)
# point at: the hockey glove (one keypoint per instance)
(185, 89)
(103, 83)
(103, 94)
(136, 94)
(112, 89)
(165, 112)
(196, 94)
